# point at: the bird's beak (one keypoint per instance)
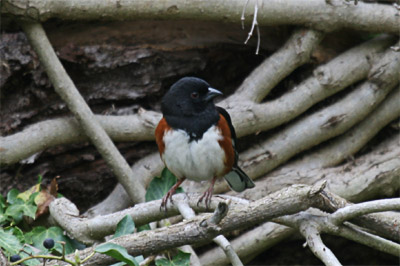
(212, 93)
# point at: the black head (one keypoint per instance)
(189, 105)
(189, 96)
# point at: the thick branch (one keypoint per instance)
(64, 86)
(247, 117)
(91, 230)
(327, 123)
(347, 145)
(287, 201)
(60, 131)
(318, 14)
(265, 77)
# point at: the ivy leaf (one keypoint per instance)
(40, 233)
(159, 186)
(117, 252)
(20, 208)
(9, 242)
(12, 196)
(125, 227)
(181, 259)
(27, 193)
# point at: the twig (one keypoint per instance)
(350, 212)
(220, 240)
(64, 86)
(242, 18)
(254, 24)
(311, 233)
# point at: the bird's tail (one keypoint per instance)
(238, 180)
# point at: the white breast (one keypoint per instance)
(196, 160)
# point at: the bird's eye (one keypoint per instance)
(194, 95)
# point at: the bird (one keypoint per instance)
(196, 139)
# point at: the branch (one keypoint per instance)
(311, 233)
(320, 15)
(327, 80)
(91, 230)
(145, 169)
(64, 86)
(312, 223)
(296, 52)
(61, 131)
(249, 244)
(220, 240)
(287, 201)
(350, 212)
(348, 144)
(327, 123)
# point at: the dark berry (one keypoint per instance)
(48, 243)
(15, 258)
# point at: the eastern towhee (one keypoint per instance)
(196, 139)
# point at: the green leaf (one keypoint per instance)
(144, 227)
(16, 232)
(125, 227)
(2, 204)
(117, 252)
(159, 186)
(40, 233)
(20, 208)
(9, 242)
(12, 195)
(181, 259)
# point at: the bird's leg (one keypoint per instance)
(208, 193)
(171, 192)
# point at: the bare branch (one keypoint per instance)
(373, 17)
(350, 212)
(91, 230)
(287, 201)
(296, 51)
(248, 118)
(324, 124)
(249, 244)
(220, 240)
(64, 86)
(312, 235)
(345, 146)
(60, 131)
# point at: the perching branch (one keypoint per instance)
(66, 89)
(94, 229)
(320, 15)
(287, 201)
